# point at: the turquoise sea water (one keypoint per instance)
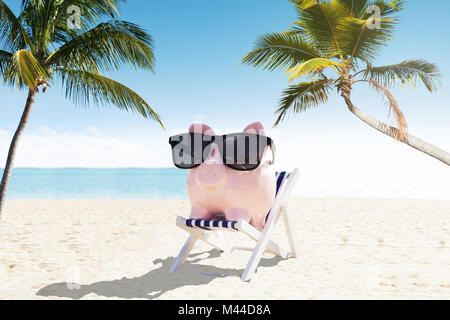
(72, 183)
(170, 183)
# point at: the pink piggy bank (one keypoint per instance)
(214, 188)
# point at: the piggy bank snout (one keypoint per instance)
(211, 174)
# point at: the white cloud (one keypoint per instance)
(49, 149)
(93, 129)
(47, 131)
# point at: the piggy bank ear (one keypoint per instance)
(256, 128)
(201, 128)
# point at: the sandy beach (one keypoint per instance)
(106, 249)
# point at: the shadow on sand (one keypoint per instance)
(155, 283)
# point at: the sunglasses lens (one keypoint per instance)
(244, 151)
(187, 150)
(241, 151)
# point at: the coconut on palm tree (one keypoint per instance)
(68, 42)
(333, 46)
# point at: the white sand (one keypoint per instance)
(350, 248)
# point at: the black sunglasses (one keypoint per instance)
(239, 151)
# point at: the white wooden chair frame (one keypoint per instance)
(214, 236)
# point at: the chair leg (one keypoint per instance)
(187, 248)
(254, 234)
(291, 236)
(258, 253)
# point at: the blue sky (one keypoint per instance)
(198, 45)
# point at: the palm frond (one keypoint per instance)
(40, 18)
(359, 8)
(311, 67)
(279, 51)
(79, 54)
(402, 125)
(36, 12)
(98, 7)
(304, 96)
(360, 41)
(13, 36)
(108, 46)
(5, 59)
(319, 19)
(85, 87)
(93, 10)
(361, 35)
(48, 20)
(356, 8)
(25, 69)
(407, 72)
(388, 8)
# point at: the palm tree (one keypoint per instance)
(46, 43)
(328, 45)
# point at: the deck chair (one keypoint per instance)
(210, 231)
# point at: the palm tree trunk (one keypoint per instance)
(13, 146)
(409, 140)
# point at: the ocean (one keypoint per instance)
(77, 183)
(170, 183)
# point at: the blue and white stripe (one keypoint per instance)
(211, 224)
